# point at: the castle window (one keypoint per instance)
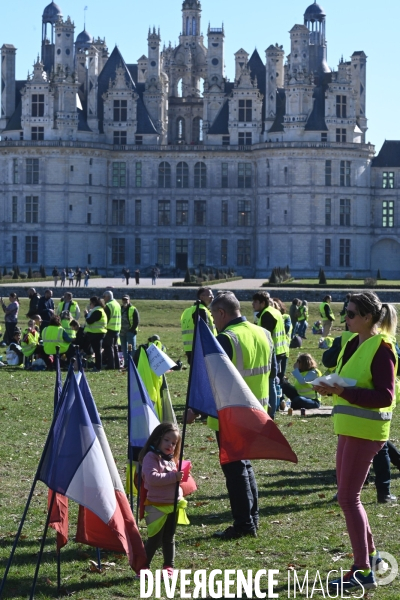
(120, 110)
(245, 111)
(285, 175)
(89, 218)
(328, 212)
(182, 212)
(194, 26)
(200, 175)
(188, 23)
(37, 105)
(245, 138)
(224, 175)
(388, 180)
(138, 251)
(324, 137)
(224, 253)
(37, 133)
(118, 212)
(345, 211)
(226, 140)
(164, 175)
(341, 107)
(32, 170)
(388, 213)
(31, 249)
(182, 175)
(328, 251)
(15, 171)
(138, 212)
(345, 173)
(138, 174)
(90, 199)
(244, 213)
(344, 253)
(118, 251)
(32, 209)
(200, 213)
(197, 133)
(90, 179)
(243, 253)
(180, 129)
(163, 251)
(341, 135)
(244, 175)
(15, 249)
(139, 140)
(164, 212)
(14, 209)
(199, 252)
(224, 213)
(328, 173)
(118, 174)
(120, 137)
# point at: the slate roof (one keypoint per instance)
(14, 124)
(221, 122)
(82, 123)
(316, 120)
(389, 155)
(277, 125)
(257, 69)
(145, 124)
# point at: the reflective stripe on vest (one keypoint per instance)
(306, 389)
(279, 333)
(65, 324)
(52, 337)
(114, 323)
(29, 347)
(364, 413)
(98, 326)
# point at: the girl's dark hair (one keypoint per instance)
(281, 305)
(156, 437)
(14, 295)
(96, 301)
(384, 315)
(306, 362)
(55, 320)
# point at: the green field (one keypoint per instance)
(300, 529)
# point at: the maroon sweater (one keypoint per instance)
(383, 377)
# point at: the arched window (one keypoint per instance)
(180, 129)
(182, 175)
(194, 26)
(200, 175)
(188, 23)
(197, 134)
(164, 175)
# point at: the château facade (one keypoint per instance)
(107, 164)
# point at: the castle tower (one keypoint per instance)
(299, 51)
(215, 56)
(153, 64)
(274, 79)
(64, 45)
(241, 60)
(191, 18)
(155, 96)
(315, 21)
(51, 14)
(8, 52)
(92, 88)
(359, 77)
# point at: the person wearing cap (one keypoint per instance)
(129, 327)
(110, 343)
(69, 304)
(14, 354)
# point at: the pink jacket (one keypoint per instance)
(159, 479)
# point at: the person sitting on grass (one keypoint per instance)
(302, 394)
(15, 356)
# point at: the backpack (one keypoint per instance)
(296, 342)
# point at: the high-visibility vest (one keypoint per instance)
(131, 310)
(152, 382)
(52, 336)
(288, 335)
(187, 325)
(358, 421)
(29, 347)
(99, 326)
(66, 325)
(278, 334)
(303, 313)
(322, 311)
(72, 308)
(306, 389)
(114, 323)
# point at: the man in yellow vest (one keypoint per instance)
(54, 336)
(271, 319)
(69, 304)
(204, 299)
(327, 315)
(110, 342)
(250, 349)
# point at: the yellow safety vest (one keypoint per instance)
(98, 326)
(66, 325)
(278, 334)
(303, 313)
(114, 323)
(358, 421)
(322, 311)
(72, 308)
(187, 325)
(29, 347)
(152, 382)
(288, 336)
(306, 389)
(52, 336)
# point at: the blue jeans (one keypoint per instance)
(127, 338)
(299, 402)
(302, 328)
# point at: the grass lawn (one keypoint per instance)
(300, 529)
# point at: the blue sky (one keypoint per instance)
(351, 25)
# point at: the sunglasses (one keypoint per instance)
(351, 314)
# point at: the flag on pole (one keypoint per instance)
(141, 414)
(217, 389)
(79, 465)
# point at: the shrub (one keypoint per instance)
(96, 271)
(1, 274)
(30, 274)
(348, 276)
(187, 276)
(5, 271)
(370, 282)
(378, 275)
(15, 273)
(36, 275)
(322, 277)
(23, 275)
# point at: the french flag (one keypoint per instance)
(79, 465)
(142, 417)
(217, 389)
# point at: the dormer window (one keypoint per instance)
(37, 105)
(120, 110)
(245, 111)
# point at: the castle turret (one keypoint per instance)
(153, 64)
(315, 21)
(191, 18)
(241, 60)
(64, 45)
(359, 77)
(215, 56)
(274, 79)
(8, 52)
(51, 14)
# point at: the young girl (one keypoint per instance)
(302, 393)
(159, 458)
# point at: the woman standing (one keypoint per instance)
(96, 328)
(11, 316)
(362, 416)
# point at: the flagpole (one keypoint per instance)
(196, 319)
(129, 437)
(138, 492)
(39, 560)
(35, 480)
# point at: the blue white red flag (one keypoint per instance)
(141, 413)
(79, 465)
(217, 389)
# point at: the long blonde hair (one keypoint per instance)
(383, 315)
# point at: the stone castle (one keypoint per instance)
(107, 164)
